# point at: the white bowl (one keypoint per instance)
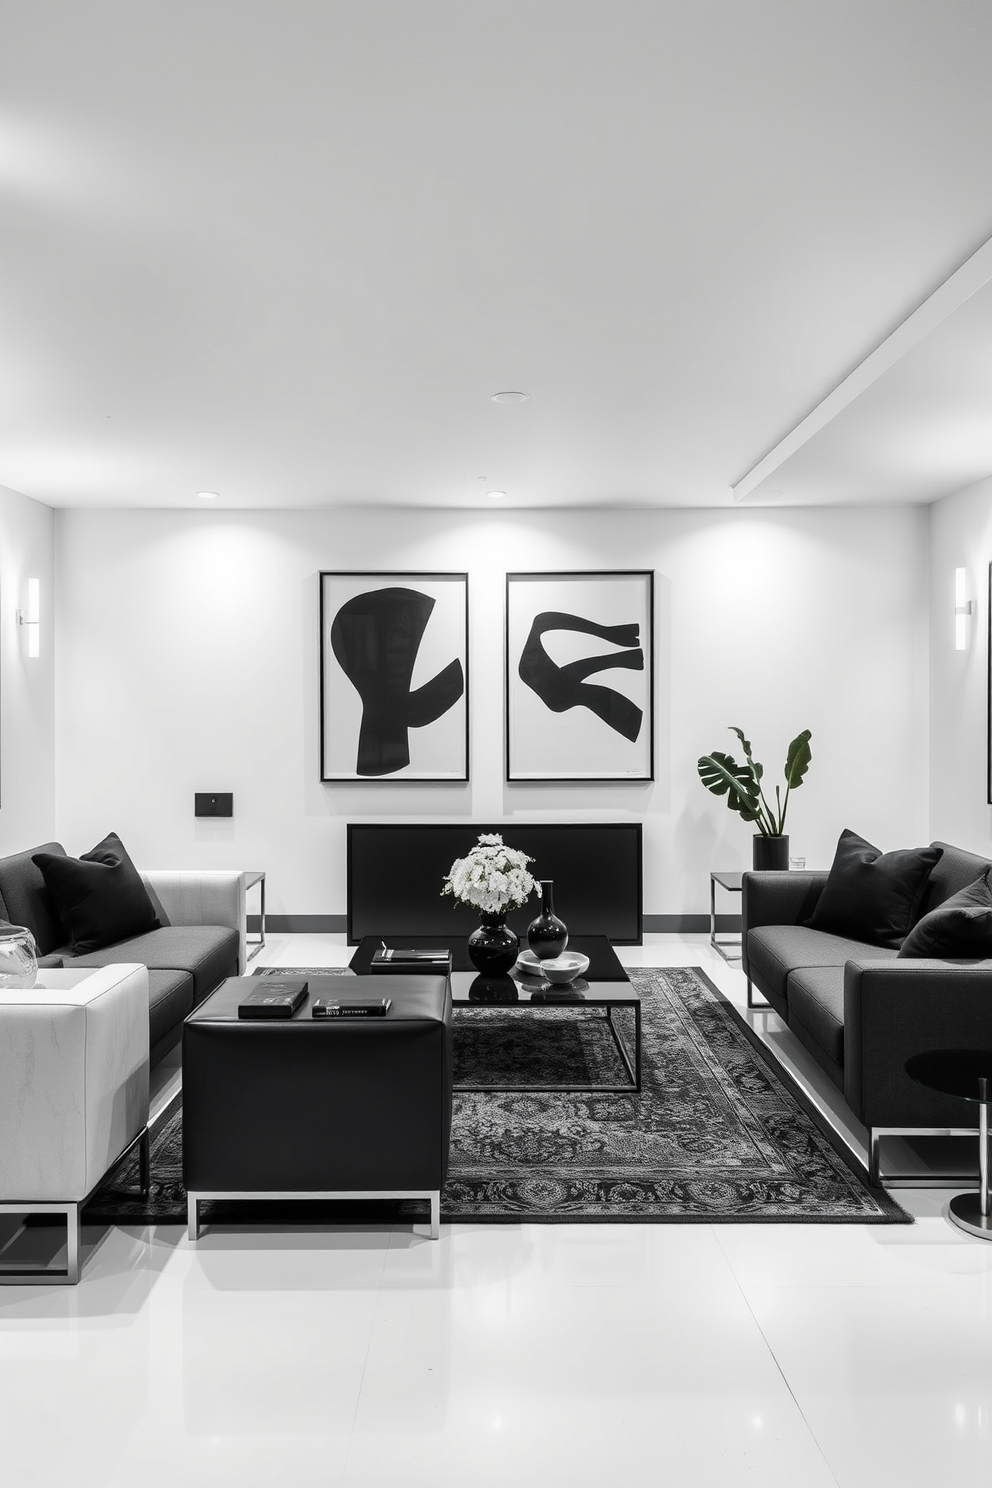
(566, 967)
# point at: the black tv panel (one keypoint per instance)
(396, 872)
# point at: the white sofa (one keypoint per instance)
(201, 939)
(73, 1094)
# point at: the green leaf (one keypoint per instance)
(721, 774)
(745, 743)
(798, 760)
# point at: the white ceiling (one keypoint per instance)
(287, 251)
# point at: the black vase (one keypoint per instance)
(494, 947)
(547, 936)
(770, 852)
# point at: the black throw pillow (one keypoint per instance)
(870, 895)
(100, 896)
(960, 927)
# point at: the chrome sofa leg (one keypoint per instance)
(874, 1158)
(144, 1164)
(436, 1214)
(750, 998)
(72, 1241)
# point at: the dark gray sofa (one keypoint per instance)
(861, 1011)
(201, 940)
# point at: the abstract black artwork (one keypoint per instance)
(576, 709)
(394, 676)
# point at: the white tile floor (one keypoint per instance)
(529, 1356)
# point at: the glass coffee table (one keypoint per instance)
(605, 986)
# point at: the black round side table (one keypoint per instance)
(966, 1073)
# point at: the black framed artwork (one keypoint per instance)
(393, 676)
(580, 676)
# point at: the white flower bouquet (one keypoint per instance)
(493, 877)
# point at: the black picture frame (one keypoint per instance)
(394, 677)
(562, 721)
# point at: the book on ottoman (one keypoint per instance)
(407, 960)
(275, 997)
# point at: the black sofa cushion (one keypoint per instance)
(955, 871)
(100, 895)
(872, 896)
(208, 952)
(960, 927)
(776, 950)
(816, 1006)
(170, 1000)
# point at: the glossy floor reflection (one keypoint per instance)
(509, 1355)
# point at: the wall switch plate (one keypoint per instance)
(213, 803)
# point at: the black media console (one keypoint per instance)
(396, 872)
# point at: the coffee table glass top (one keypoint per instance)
(604, 971)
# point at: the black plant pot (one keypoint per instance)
(547, 935)
(770, 853)
(494, 947)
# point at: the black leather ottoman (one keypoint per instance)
(306, 1108)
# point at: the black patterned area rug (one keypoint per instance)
(718, 1134)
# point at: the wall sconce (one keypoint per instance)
(962, 609)
(31, 617)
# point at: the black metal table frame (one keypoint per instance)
(605, 969)
(733, 944)
(631, 1065)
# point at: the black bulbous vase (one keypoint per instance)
(494, 947)
(547, 935)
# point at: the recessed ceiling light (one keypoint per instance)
(510, 397)
(495, 494)
(207, 495)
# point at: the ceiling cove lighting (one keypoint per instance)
(510, 397)
(962, 609)
(30, 617)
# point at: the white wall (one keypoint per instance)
(960, 537)
(188, 660)
(27, 685)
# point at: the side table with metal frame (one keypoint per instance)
(732, 883)
(253, 877)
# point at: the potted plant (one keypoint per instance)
(741, 784)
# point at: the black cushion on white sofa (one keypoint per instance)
(99, 896)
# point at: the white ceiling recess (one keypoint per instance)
(912, 422)
(288, 251)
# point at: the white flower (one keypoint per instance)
(492, 877)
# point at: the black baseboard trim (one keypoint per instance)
(691, 924)
(302, 924)
(329, 924)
